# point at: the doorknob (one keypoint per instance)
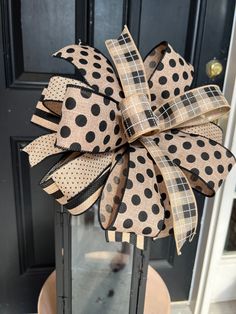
(214, 68)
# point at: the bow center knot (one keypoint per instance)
(138, 117)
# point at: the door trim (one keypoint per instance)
(212, 239)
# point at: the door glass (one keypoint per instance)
(101, 271)
(230, 244)
(107, 21)
(47, 26)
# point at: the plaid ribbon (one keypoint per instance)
(138, 144)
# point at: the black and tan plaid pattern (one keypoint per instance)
(138, 118)
(195, 107)
(129, 64)
(182, 200)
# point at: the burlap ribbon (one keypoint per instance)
(139, 143)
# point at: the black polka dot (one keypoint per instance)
(147, 230)
(159, 178)
(96, 149)
(128, 223)
(118, 142)
(165, 94)
(70, 103)
(83, 61)
(217, 154)
(85, 93)
(160, 224)
(109, 79)
(172, 149)
(153, 97)
(230, 167)
(211, 184)
(195, 174)
(106, 139)
(122, 208)
(141, 159)
(75, 146)
(152, 64)
(175, 77)
(228, 153)
(220, 169)
(70, 59)
(65, 131)
(148, 193)
(155, 209)
(187, 145)
(140, 177)
(106, 101)
(167, 214)
(163, 196)
(156, 187)
(142, 216)
(168, 137)
(150, 84)
(135, 199)
(200, 143)
(81, 120)
(208, 170)
(185, 75)
(186, 88)
(82, 72)
(150, 173)
(176, 91)
(108, 91)
(97, 65)
(90, 136)
(131, 164)
(162, 80)
(96, 75)
(220, 182)
(84, 53)
(172, 63)
(129, 184)
(176, 161)
(102, 126)
(205, 156)
(181, 61)
(191, 158)
(70, 50)
(213, 143)
(160, 66)
(97, 57)
(117, 129)
(112, 115)
(110, 70)
(95, 109)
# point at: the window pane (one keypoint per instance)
(107, 22)
(101, 271)
(47, 26)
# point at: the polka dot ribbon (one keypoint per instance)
(137, 143)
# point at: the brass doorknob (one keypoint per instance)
(214, 68)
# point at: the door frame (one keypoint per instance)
(209, 258)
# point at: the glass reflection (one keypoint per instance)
(230, 243)
(101, 271)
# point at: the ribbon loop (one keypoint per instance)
(138, 117)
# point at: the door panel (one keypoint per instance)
(31, 32)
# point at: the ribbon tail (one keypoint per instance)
(182, 200)
(41, 148)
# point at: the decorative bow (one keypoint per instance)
(139, 143)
